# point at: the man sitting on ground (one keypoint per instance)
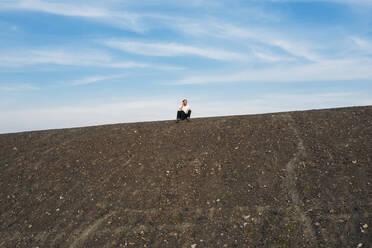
(184, 111)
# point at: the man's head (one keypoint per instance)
(184, 102)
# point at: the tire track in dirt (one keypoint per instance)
(89, 230)
(291, 183)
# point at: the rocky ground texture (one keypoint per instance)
(296, 179)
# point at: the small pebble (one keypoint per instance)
(360, 245)
(193, 246)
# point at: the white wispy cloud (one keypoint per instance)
(71, 57)
(53, 56)
(272, 58)
(17, 87)
(14, 28)
(363, 2)
(172, 49)
(78, 9)
(253, 37)
(309, 60)
(327, 70)
(362, 44)
(93, 80)
(352, 2)
(58, 8)
(190, 26)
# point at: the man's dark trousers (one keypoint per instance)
(182, 115)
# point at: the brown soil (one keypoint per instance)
(297, 179)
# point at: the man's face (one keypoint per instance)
(185, 102)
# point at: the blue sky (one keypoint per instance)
(71, 63)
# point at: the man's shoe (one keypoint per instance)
(178, 120)
(188, 118)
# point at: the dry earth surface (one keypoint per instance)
(296, 179)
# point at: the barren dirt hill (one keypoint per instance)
(297, 179)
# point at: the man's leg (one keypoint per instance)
(183, 115)
(188, 115)
(179, 115)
